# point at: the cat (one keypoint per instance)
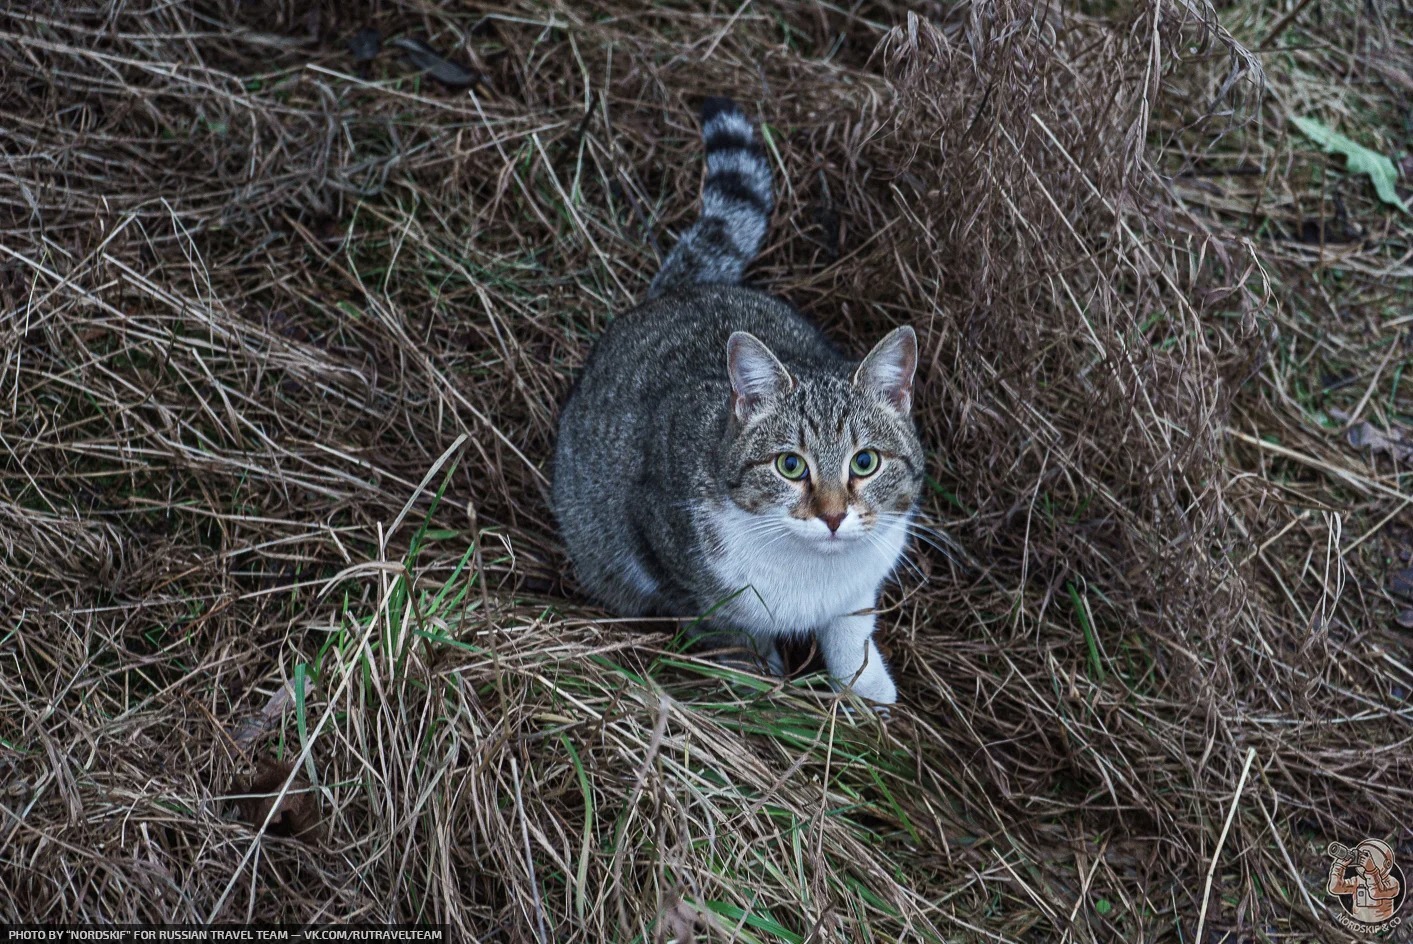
(718, 457)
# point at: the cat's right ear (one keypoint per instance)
(756, 374)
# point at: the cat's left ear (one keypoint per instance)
(887, 371)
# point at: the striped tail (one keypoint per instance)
(736, 204)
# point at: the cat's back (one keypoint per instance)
(681, 336)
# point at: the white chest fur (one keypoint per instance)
(782, 584)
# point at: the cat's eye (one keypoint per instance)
(792, 466)
(864, 463)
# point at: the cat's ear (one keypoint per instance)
(756, 373)
(887, 371)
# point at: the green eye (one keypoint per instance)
(865, 463)
(792, 466)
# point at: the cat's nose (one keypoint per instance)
(833, 520)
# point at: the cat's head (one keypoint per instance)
(828, 456)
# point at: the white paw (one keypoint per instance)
(880, 689)
(873, 681)
(873, 684)
(854, 660)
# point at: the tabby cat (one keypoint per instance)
(719, 458)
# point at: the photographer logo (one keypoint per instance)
(1368, 884)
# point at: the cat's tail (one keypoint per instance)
(736, 203)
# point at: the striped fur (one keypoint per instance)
(736, 205)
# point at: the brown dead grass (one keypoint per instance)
(283, 345)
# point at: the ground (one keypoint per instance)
(289, 634)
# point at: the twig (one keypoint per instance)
(1281, 25)
(1221, 841)
(543, 935)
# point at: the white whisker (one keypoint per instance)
(902, 559)
(933, 537)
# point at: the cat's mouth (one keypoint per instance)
(832, 542)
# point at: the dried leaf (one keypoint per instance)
(258, 724)
(297, 814)
(1359, 159)
(1366, 436)
(678, 923)
(424, 57)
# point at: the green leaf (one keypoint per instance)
(1096, 665)
(762, 921)
(1358, 158)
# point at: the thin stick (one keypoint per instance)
(1374, 382)
(543, 935)
(1361, 482)
(1222, 840)
(1281, 25)
(1376, 528)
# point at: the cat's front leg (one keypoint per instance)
(854, 660)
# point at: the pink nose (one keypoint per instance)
(833, 520)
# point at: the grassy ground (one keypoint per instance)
(289, 634)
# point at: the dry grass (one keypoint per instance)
(283, 343)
